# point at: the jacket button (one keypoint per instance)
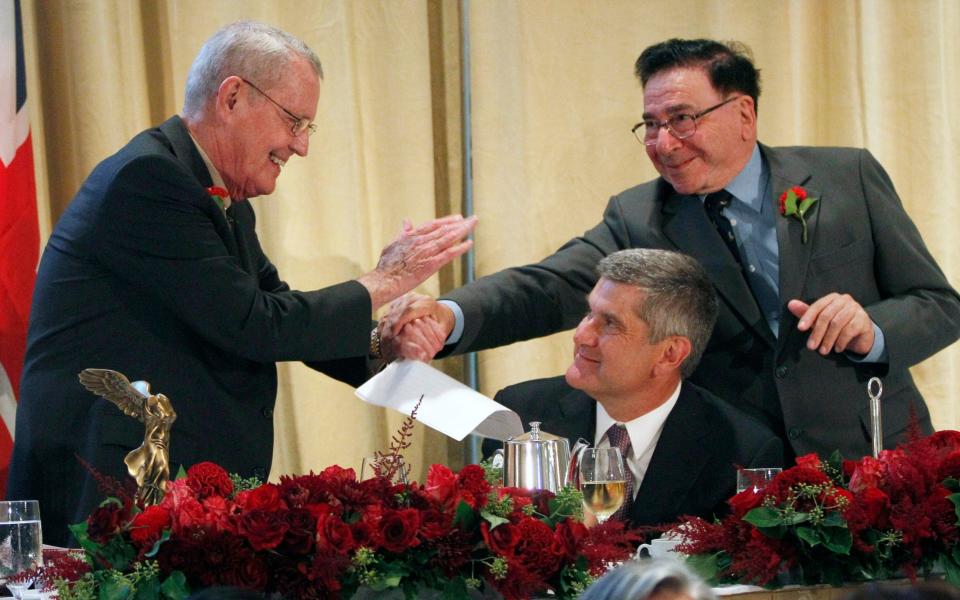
(781, 371)
(794, 433)
(267, 411)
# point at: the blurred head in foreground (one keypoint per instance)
(654, 579)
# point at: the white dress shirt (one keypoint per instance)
(644, 434)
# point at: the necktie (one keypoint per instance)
(714, 205)
(618, 437)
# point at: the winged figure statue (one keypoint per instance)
(150, 463)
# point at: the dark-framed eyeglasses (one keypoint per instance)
(680, 126)
(298, 125)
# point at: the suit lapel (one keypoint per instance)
(794, 254)
(578, 417)
(676, 462)
(186, 151)
(687, 226)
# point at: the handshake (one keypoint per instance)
(415, 327)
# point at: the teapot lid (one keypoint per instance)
(535, 435)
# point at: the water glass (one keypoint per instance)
(21, 545)
(756, 478)
(372, 464)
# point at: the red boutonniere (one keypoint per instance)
(796, 203)
(218, 194)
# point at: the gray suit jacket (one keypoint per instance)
(692, 468)
(143, 274)
(861, 242)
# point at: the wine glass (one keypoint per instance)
(602, 481)
(372, 464)
(21, 545)
(757, 479)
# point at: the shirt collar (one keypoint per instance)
(747, 186)
(643, 429)
(214, 173)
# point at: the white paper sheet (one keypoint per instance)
(448, 406)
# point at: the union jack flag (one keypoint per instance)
(19, 234)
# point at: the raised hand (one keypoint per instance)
(836, 323)
(415, 255)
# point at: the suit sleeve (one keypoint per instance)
(919, 313)
(154, 231)
(531, 301)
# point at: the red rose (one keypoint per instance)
(745, 501)
(867, 473)
(876, 506)
(333, 535)
(434, 523)
(265, 497)
(147, 527)
(209, 479)
(950, 467)
(247, 571)
(811, 461)
(190, 515)
(441, 483)
(105, 522)
(398, 529)
(501, 539)
(264, 529)
(219, 511)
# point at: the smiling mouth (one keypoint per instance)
(277, 160)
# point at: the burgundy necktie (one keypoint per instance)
(618, 437)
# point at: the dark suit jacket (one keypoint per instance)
(692, 468)
(861, 242)
(143, 275)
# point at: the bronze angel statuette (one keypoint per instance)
(150, 463)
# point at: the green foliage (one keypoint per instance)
(244, 484)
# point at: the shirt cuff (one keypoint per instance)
(457, 332)
(877, 354)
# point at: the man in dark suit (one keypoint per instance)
(154, 273)
(812, 306)
(650, 316)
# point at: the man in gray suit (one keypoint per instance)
(651, 315)
(812, 305)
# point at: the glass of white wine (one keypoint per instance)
(21, 545)
(602, 481)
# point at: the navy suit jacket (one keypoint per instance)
(692, 469)
(143, 274)
(861, 242)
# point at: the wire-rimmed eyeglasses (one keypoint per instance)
(298, 125)
(680, 126)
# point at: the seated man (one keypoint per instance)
(651, 314)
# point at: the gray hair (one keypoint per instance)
(254, 51)
(641, 580)
(678, 298)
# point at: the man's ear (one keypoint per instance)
(229, 93)
(748, 118)
(673, 351)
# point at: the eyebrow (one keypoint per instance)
(674, 109)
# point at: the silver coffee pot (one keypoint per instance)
(536, 460)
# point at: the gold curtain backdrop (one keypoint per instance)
(553, 98)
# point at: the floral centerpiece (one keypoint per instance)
(329, 535)
(834, 521)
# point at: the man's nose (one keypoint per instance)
(300, 144)
(666, 141)
(585, 334)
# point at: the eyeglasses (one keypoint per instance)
(299, 124)
(680, 126)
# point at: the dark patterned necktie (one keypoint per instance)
(618, 437)
(714, 204)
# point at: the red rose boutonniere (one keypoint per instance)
(796, 203)
(217, 193)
